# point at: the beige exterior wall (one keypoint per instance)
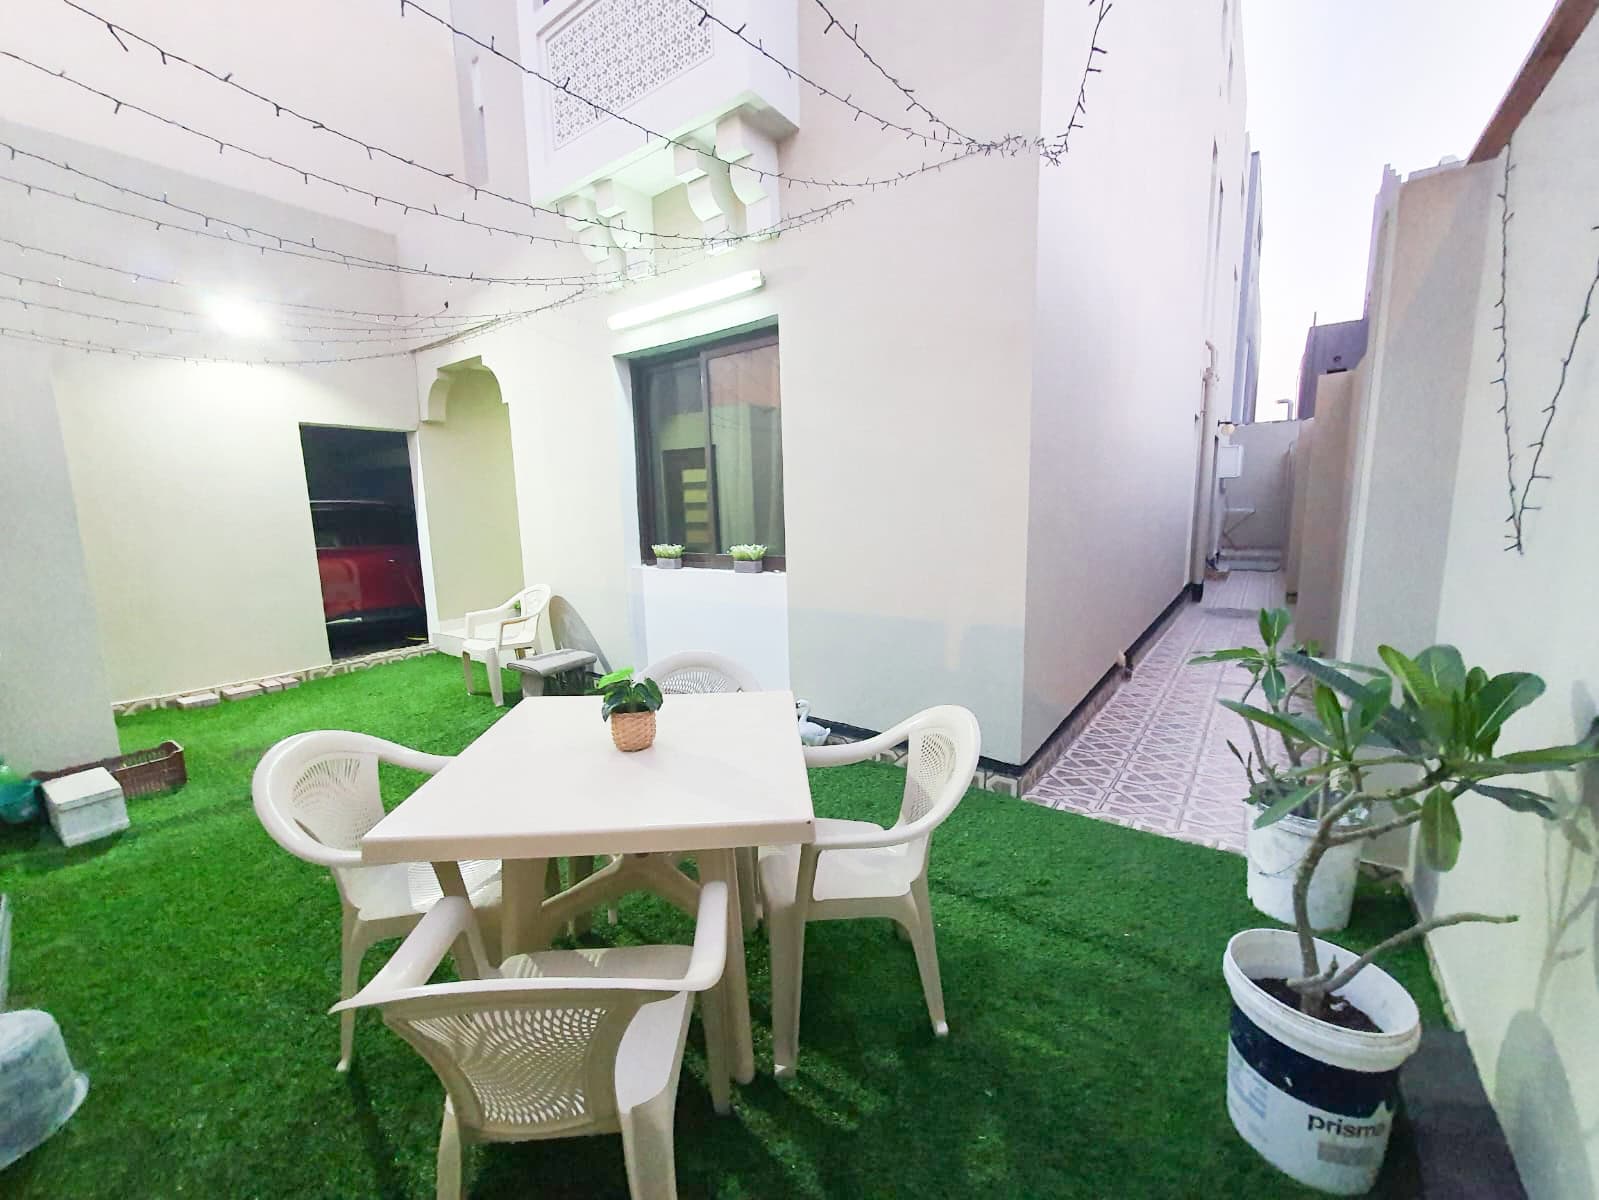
(1266, 484)
(1432, 565)
(469, 499)
(55, 701)
(1324, 521)
(188, 478)
(1427, 282)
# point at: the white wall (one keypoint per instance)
(188, 476)
(1119, 352)
(744, 617)
(1265, 485)
(1528, 993)
(905, 392)
(55, 703)
(1424, 308)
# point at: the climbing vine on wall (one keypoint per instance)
(1519, 507)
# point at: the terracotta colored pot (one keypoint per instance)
(633, 731)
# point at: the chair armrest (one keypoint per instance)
(709, 958)
(485, 615)
(846, 753)
(418, 956)
(405, 976)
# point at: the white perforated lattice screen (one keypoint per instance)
(616, 51)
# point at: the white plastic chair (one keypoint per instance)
(495, 636)
(698, 673)
(317, 794)
(859, 869)
(557, 1044)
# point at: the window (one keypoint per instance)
(710, 449)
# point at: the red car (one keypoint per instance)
(367, 556)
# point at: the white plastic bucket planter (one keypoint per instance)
(1275, 853)
(1316, 1101)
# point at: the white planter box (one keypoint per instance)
(85, 806)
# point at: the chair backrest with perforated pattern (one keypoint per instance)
(940, 759)
(700, 672)
(514, 1066)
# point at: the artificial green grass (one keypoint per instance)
(191, 962)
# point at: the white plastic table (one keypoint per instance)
(725, 772)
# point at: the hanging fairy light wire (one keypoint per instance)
(276, 243)
(375, 319)
(661, 241)
(122, 34)
(953, 138)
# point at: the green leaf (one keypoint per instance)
(1500, 698)
(652, 694)
(1238, 654)
(1444, 668)
(614, 677)
(1274, 685)
(1431, 705)
(1285, 804)
(1440, 830)
(1372, 697)
(1519, 799)
(1273, 624)
(1331, 714)
(1284, 723)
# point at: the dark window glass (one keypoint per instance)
(710, 446)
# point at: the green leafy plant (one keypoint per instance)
(667, 550)
(747, 553)
(1414, 758)
(624, 694)
(1271, 786)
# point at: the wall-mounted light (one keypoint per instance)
(237, 317)
(730, 288)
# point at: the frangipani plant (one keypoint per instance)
(1415, 756)
(1268, 783)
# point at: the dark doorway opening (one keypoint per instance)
(363, 514)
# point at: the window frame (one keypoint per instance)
(702, 353)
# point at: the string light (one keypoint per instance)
(821, 89)
(488, 322)
(372, 149)
(1055, 148)
(92, 347)
(27, 248)
(307, 175)
(278, 244)
(851, 34)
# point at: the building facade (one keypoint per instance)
(966, 408)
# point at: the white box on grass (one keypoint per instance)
(85, 806)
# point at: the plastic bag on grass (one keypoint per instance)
(19, 797)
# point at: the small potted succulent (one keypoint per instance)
(629, 705)
(668, 555)
(747, 558)
(1318, 1034)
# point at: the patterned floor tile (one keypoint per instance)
(1155, 757)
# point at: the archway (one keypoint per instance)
(467, 509)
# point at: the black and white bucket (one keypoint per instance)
(1316, 1101)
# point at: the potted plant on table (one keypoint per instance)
(630, 706)
(747, 558)
(668, 556)
(1318, 1034)
(1276, 848)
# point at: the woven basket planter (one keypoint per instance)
(633, 731)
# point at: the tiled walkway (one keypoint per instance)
(1155, 757)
